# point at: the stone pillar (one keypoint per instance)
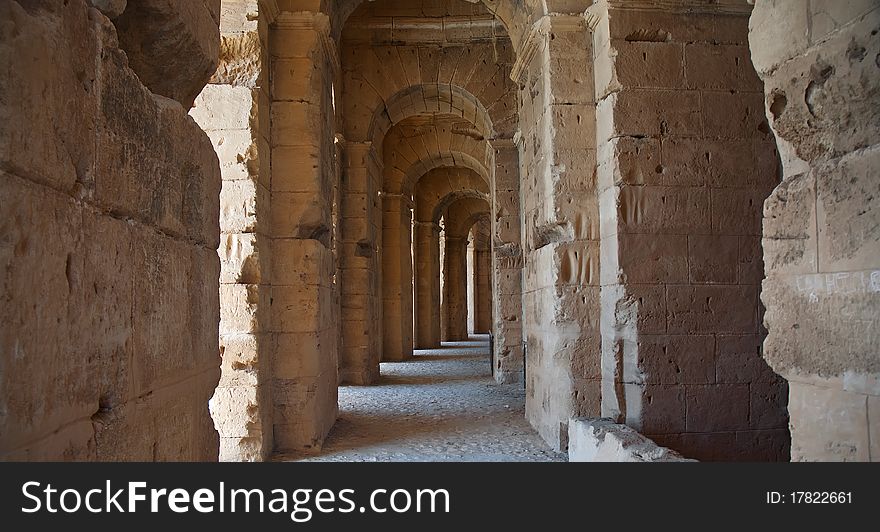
(483, 290)
(818, 61)
(361, 305)
(455, 289)
(397, 290)
(305, 305)
(559, 226)
(471, 255)
(507, 263)
(427, 276)
(230, 109)
(685, 161)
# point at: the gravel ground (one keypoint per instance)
(441, 406)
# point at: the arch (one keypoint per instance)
(435, 187)
(460, 216)
(440, 99)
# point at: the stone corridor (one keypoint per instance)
(441, 405)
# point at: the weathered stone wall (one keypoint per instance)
(233, 110)
(560, 225)
(685, 161)
(819, 63)
(108, 327)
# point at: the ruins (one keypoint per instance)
(216, 213)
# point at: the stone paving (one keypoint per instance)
(441, 406)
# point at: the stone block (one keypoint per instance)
(602, 440)
(173, 45)
(827, 424)
(649, 65)
(717, 407)
(713, 259)
(712, 308)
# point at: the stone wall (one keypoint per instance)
(108, 327)
(685, 161)
(819, 63)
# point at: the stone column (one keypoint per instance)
(471, 255)
(559, 226)
(359, 274)
(455, 289)
(230, 110)
(397, 291)
(685, 162)
(482, 290)
(305, 305)
(427, 276)
(821, 231)
(507, 263)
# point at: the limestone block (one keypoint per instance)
(302, 308)
(168, 425)
(225, 107)
(245, 258)
(735, 211)
(768, 405)
(636, 161)
(713, 258)
(43, 68)
(181, 196)
(811, 99)
(44, 273)
(672, 359)
(653, 258)
(242, 356)
(240, 203)
(296, 169)
(296, 123)
(238, 152)
(717, 407)
(790, 28)
(738, 359)
(653, 209)
(790, 239)
(235, 410)
(712, 308)
(304, 354)
(655, 113)
(173, 45)
(73, 442)
(177, 283)
(601, 440)
(577, 263)
(302, 262)
(302, 215)
(242, 60)
(743, 116)
(846, 216)
(649, 64)
(720, 67)
(305, 409)
(657, 409)
(834, 315)
(244, 308)
(827, 424)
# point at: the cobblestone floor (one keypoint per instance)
(441, 406)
